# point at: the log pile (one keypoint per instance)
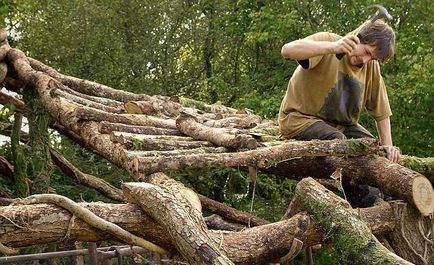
(148, 135)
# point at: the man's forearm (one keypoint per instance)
(384, 131)
(305, 49)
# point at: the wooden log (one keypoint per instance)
(235, 122)
(19, 104)
(108, 127)
(214, 108)
(87, 103)
(177, 152)
(216, 222)
(88, 87)
(230, 213)
(156, 142)
(154, 107)
(413, 236)
(85, 179)
(261, 157)
(391, 178)
(84, 113)
(423, 165)
(184, 225)
(28, 225)
(188, 125)
(350, 236)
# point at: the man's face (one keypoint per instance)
(362, 54)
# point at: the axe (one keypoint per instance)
(381, 13)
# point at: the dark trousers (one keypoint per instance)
(357, 195)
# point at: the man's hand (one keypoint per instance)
(393, 153)
(346, 44)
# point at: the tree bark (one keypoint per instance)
(88, 103)
(261, 157)
(157, 142)
(154, 107)
(108, 127)
(213, 108)
(423, 165)
(27, 225)
(85, 179)
(391, 178)
(179, 219)
(84, 113)
(248, 122)
(189, 126)
(350, 236)
(413, 236)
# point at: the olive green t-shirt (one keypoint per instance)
(324, 88)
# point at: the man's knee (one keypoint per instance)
(321, 131)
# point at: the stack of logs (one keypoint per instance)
(147, 135)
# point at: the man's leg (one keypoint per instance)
(360, 195)
(357, 131)
(320, 130)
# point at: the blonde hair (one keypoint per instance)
(380, 35)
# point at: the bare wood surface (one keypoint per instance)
(188, 125)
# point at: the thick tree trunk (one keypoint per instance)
(180, 219)
(413, 236)
(189, 126)
(350, 236)
(423, 165)
(261, 157)
(391, 178)
(27, 225)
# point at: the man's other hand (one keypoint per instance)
(393, 153)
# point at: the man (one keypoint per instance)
(328, 92)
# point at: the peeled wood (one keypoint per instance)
(350, 236)
(108, 127)
(188, 125)
(391, 178)
(261, 157)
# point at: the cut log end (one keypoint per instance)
(423, 195)
(132, 108)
